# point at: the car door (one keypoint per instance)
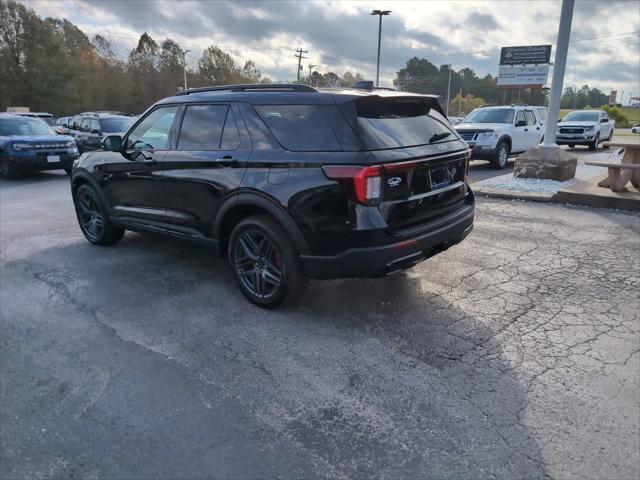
(605, 127)
(205, 166)
(519, 135)
(83, 132)
(93, 136)
(533, 130)
(132, 176)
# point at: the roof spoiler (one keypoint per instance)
(368, 85)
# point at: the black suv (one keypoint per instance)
(287, 181)
(91, 129)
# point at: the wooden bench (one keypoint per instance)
(627, 169)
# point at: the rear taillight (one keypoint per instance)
(367, 181)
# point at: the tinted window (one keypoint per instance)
(230, 134)
(23, 126)
(301, 128)
(520, 117)
(529, 117)
(85, 124)
(48, 120)
(394, 124)
(153, 132)
(491, 115)
(116, 124)
(95, 125)
(202, 127)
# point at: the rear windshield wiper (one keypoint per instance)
(439, 136)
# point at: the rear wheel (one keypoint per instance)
(594, 145)
(93, 217)
(7, 169)
(501, 159)
(571, 145)
(265, 262)
(608, 139)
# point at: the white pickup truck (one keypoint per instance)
(496, 133)
(585, 127)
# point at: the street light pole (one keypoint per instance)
(448, 92)
(562, 46)
(184, 64)
(310, 68)
(380, 14)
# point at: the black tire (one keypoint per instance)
(8, 170)
(501, 158)
(265, 262)
(594, 145)
(93, 217)
(608, 139)
(571, 145)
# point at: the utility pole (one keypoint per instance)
(562, 46)
(448, 91)
(310, 68)
(298, 54)
(184, 64)
(380, 13)
(460, 103)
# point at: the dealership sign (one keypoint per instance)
(522, 75)
(529, 55)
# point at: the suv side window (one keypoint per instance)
(520, 117)
(202, 127)
(153, 132)
(95, 125)
(300, 128)
(605, 117)
(84, 126)
(531, 120)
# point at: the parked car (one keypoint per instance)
(47, 117)
(585, 127)
(635, 128)
(94, 127)
(28, 144)
(61, 127)
(495, 133)
(287, 181)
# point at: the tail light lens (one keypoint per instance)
(367, 181)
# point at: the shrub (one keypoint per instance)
(615, 113)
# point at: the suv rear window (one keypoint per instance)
(397, 124)
(301, 128)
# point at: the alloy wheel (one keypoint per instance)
(503, 156)
(90, 216)
(257, 264)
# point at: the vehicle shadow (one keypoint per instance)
(361, 378)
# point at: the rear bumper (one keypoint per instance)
(406, 252)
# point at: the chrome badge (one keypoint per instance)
(394, 181)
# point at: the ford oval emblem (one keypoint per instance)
(394, 181)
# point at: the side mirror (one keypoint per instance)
(604, 120)
(559, 119)
(521, 123)
(95, 131)
(112, 143)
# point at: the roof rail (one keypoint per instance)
(250, 87)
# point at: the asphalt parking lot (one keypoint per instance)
(515, 354)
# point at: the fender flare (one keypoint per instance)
(507, 137)
(271, 206)
(86, 177)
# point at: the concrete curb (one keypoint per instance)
(513, 194)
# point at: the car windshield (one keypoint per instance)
(491, 115)
(23, 126)
(582, 117)
(114, 125)
(48, 120)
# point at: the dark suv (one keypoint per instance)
(92, 128)
(287, 181)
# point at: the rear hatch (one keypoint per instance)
(423, 161)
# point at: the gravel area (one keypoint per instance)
(533, 185)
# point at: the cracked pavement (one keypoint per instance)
(512, 355)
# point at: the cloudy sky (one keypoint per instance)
(604, 50)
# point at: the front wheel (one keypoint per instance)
(501, 158)
(265, 263)
(93, 217)
(608, 139)
(594, 145)
(8, 170)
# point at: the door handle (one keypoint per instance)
(227, 161)
(526, 129)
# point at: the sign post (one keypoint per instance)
(562, 47)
